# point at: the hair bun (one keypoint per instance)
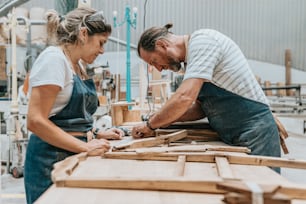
(168, 26)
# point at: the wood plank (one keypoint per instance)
(205, 132)
(295, 192)
(236, 198)
(243, 188)
(66, 195)
(135, 156)
(283, 134)
(153, 141)
(199, 135)
(267, 161)
(190, 148)
(224, 168)
(168, 184)
(242, 192)
(181, 165)
(210, 157)
(203, 138)
(65, 168)
(195, 132)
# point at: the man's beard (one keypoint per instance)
(174, 65)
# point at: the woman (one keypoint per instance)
(63, 99)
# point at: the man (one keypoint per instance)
(218, 83)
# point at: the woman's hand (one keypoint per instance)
(111, 134)
(141, 131)
(97, 147)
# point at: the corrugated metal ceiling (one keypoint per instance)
(264, 29)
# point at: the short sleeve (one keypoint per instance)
(204, 54)
(49, 69)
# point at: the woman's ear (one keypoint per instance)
(83, 34)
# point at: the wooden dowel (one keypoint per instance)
(224, 168)
(181, 161)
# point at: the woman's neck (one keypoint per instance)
(67, 49)
(74, 61)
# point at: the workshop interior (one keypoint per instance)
(185, 162)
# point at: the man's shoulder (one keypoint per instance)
(206, 34)
(205, 31)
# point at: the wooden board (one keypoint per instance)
(63, 195)
(113, 177)
(183, 177)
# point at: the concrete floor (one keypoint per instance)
(296, 144)
(12, 189)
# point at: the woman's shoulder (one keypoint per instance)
(51, 58)
(52, 50)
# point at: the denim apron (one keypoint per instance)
(40, 156)
(240, 121)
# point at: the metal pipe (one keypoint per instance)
(9, 4)
(122, 42)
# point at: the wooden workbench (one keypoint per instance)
(204, 173)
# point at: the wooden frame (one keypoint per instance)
(153, 164)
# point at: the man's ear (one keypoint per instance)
(161, 43)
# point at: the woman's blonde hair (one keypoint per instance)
(65, 29)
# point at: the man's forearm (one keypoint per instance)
(183, 99)
(171, 111)
(195, 112)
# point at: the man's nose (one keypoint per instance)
(159, 67)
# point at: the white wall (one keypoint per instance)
(276, 73)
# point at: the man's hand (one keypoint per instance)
(141, 131)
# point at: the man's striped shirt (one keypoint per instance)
(215, 57)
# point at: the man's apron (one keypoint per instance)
(240, 121)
